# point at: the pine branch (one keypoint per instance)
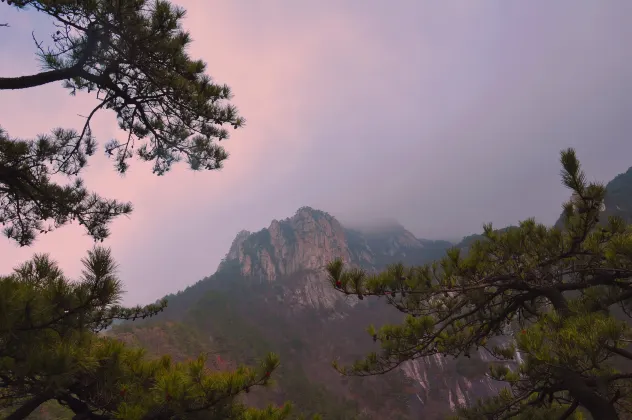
(43, 78)
(132, 54)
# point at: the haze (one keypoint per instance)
(442, 115)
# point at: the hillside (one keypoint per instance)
(270, 293)
(618, 200)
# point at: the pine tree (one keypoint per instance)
(564, 292)
(50, 349)
(132, 55)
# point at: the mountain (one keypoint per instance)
(270, 293)
(618, 200)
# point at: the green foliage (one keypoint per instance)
(216, 314)
(179, 340)
(557, 289)
(29, 198)
(50, 351)
(221, 314)
(132, 54)
(313, 398)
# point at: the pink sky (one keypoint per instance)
(434, 113)
(261, 69)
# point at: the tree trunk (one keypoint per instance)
(598, 406)
(607, 412)
(81, 409)
(28, 407)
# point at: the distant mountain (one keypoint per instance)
(618, 201)
(619, 196)
(270, 293)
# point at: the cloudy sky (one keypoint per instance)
(441, 114)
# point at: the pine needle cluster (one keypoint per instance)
(51, 349)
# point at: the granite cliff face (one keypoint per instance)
(312, 238)
(302, 245)
(304, 242)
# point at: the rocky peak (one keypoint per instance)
(311, 238)
(306, 241)
(388, 237)
(233, 252)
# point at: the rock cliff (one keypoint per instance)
(311, 238)
(304, 244)
(306, 241)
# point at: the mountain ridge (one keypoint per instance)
(270, 293)
(354, 245)
(278, 272)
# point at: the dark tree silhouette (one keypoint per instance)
(131, 54)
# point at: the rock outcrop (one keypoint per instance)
(305, 242)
